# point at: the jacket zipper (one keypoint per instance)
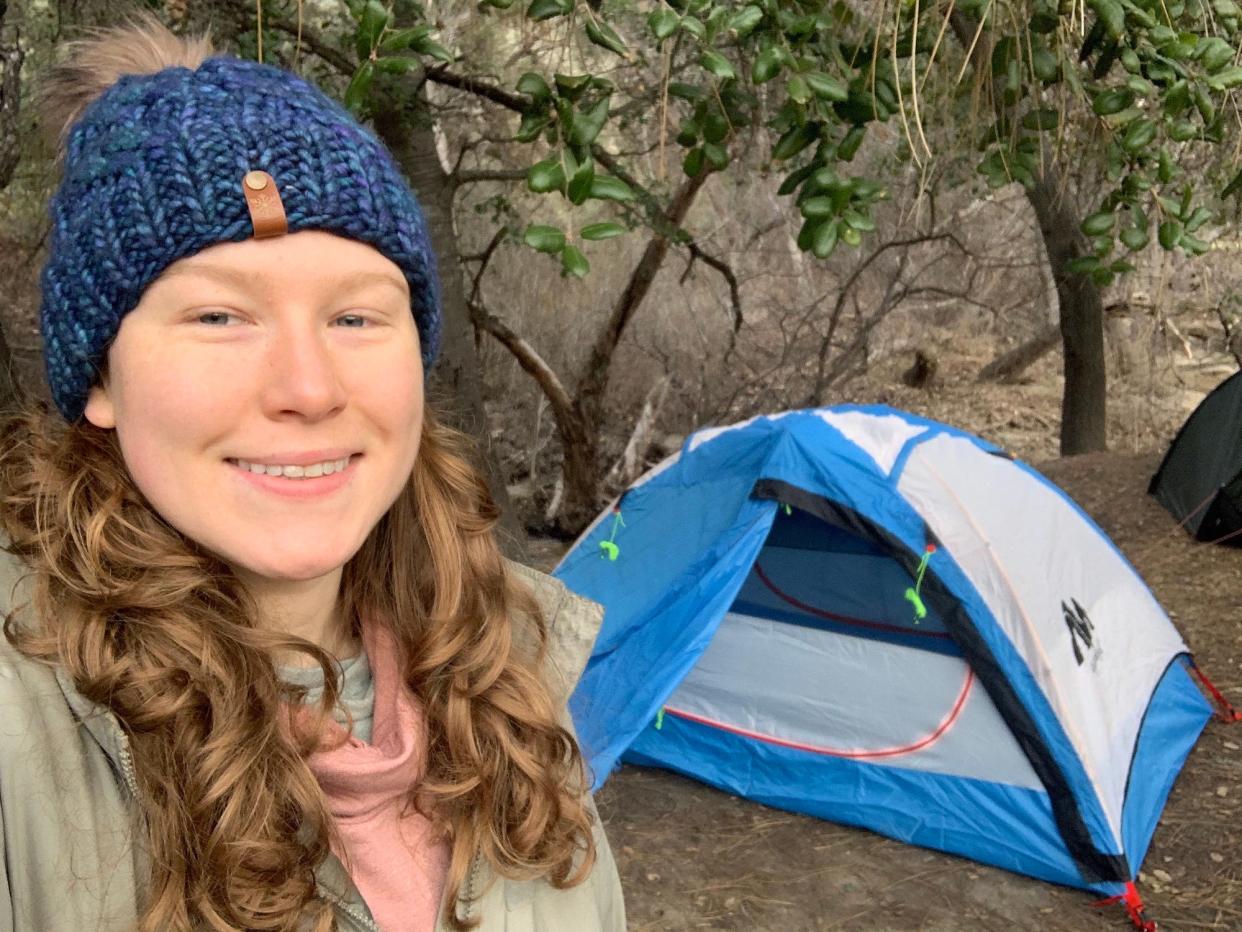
(128, 774)
(350, 910)
(470, 878)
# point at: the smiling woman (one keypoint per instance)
(264, 666)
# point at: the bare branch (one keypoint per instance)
(530, 360)
(484, 258)
(526, 355)
(485, 89)
(473, 176)
(696, 252)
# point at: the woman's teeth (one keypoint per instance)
(314, 471)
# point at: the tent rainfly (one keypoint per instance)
(877, 619)
(1200, 479)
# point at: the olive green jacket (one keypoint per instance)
(68, 806)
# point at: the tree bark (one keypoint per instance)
(10, 96)
(1084, 401)
(10, 398)
(456, 383)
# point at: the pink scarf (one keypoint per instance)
(395, 857)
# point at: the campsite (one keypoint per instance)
(695, 858)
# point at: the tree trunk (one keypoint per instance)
(1084, 417)
(10, 96)
(456, 383)
(9, 396)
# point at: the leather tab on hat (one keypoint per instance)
(267, 211)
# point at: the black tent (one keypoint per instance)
(1200, 480)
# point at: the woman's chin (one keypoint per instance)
(292, 567)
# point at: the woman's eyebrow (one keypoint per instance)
(246, 280)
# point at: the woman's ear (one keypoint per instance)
(99, 409)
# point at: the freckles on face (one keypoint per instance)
(268, 398)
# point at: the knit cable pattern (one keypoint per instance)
(153, 173)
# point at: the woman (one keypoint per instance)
(264, 666)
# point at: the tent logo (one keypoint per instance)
(1081, 629)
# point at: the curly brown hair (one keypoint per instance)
(163, 634)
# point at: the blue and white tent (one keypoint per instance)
(880, 620)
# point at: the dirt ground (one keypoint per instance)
(694, 858)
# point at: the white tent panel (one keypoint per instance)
(847, 696)
(881, 436)
(1032, 557)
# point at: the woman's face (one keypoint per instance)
(296, 355)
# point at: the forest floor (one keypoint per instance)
(692, 857)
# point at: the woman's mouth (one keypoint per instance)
(310, 471)
(297, 482)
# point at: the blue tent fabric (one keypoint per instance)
(691, 558)
(989, 822)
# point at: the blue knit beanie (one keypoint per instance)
(153, 173)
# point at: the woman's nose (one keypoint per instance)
(303, 377)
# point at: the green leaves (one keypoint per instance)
(798, 89)
(359, 86)
(744, 21)
(602, 231)
(548, 9)
(607, 188)
(1111, 101)
(585, 124)
(581, 177)
(1214, 54)
(824, 239)
(794, 140)
(663, 23)
(1111, 15)
(400, 39)
(417, 39)
(717, 64)
(1098, 223)
(825, 87)
(1233, 187)
(1138, 135)
(1042, 118)
(1169, 234)
(1156, 75)
(603, 35)
(544, 238)
(534, 85)
(372, 20)
(694, 163)
(1224, 80)
(545, 176)
(1135, 238)
(574, 262)
(766, 66)
(1045, 65)
(817, 208)
(550, 240)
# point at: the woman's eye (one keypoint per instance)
(352, 321)
(215, 318)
